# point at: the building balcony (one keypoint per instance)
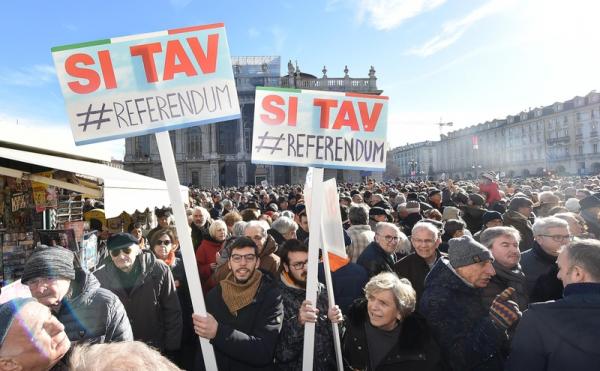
(333, 84)
(594, 133)
(563, 139)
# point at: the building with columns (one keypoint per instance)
(219, 154)
(561, 138)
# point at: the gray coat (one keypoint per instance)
(152, 304)
(92, 314)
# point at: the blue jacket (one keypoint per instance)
(348, 283)
(92, 314)
(376, 260)
(560, 335)
(460, 324)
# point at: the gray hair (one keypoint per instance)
(264, 226)
(542, 225)
(405, 296)
(430, 227)
(489, 235)
(128, 355)
(288, 214)
(238, 228)
(358, 214)
(216, 224)
(381, 225)
(585, 254)
(227, 203)
(284, 225)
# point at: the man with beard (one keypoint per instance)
(244, 313)
(200, 224)
(297, 312)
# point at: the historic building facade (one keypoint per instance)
(560, 138)
(219, 154)
(415, 160)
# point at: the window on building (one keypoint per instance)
(173, 137)
(226, 134)
(141, 146)
(580, 149)
(194, 143)
(595, 148)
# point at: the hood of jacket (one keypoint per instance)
(83, 288)
(270, 246)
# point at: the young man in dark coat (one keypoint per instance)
(244, 313)
(146, 288)
(471, 336)
(89, 313)
(564, 334)
(298, 311)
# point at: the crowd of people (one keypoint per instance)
(466, 275)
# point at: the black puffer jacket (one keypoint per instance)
(460, 323)
(93, 314)
(152, 304)
(415, 350)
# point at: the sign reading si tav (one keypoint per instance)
(317, 128)
(140, 84)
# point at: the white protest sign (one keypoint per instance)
(319, 128)
(139, 84)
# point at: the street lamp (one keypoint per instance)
(413, 167)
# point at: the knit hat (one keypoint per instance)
(488, 216)
(433, 192)
(466, 251)
(490, 175)
(413, 207)
(590, 201)
(572, 204)
(8, 311)
(450, 212)
(49, 261)
(120, 240)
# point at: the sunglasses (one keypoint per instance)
(117, 252)
(163, 242)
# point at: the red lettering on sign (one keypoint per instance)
(146, 51)
(176, 52)
(346, 117)
(326, 105)
(208, 61)
(369, 122)
(83, 73)
(108, 72)
(293, 115)
(269, 104)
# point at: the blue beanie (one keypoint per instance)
(8, 311)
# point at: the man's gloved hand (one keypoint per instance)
(505, 312)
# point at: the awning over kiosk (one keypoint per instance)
(122, 190)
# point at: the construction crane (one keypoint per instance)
(442, 124)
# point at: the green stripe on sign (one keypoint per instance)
(278, 89)
(80, 45)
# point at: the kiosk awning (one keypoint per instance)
(123, 190)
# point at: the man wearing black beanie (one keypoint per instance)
(88, 312)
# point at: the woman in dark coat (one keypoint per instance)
(383, 332)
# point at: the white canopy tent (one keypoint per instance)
(122, 190)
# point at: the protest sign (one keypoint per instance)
(319, 128)
(146, 83)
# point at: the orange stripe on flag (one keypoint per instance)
(196, 28)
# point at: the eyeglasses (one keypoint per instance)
(117, 252)
(300, 265)
(237, 258)
(418, 241)
(390, 238)
(558, 237)
(163, 242)
(46, 281)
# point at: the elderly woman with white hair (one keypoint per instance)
(383, 331)
(206, 255)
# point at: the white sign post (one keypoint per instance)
(151, 83)
(322, 130)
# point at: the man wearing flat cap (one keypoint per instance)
(590, 207)
(471, 335)
(89, 313)
(378, 214)
(146, 288)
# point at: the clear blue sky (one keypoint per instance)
(464, 61)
